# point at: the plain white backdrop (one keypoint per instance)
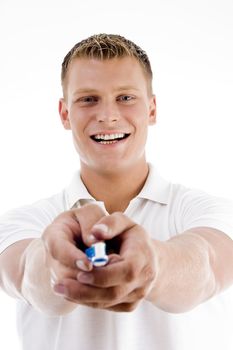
(190, 45)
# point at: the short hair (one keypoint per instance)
(106, 47)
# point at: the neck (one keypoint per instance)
(115, 189)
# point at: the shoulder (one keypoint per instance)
(46, 208)
(29, 221)
(184, 196)
(194, 207)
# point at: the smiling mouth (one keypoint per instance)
(109, 138)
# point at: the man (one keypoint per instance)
(171, 249)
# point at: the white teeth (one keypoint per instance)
(107, 142)
(109, 136)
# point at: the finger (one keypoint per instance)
(129, 302)
(111, 226)
(87, 216)
(114, 258)
(83, 294)
(61, 239)
(69, 255)
(123, 307)
(116, 274)
(59, 272)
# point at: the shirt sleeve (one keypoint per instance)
(26, 222)
(196, 208)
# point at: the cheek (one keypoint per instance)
(139, 113)
(78, 121)
(140, 120)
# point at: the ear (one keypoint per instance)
(152, 110)
(64, 114)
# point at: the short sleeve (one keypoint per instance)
(196, 208)
(28, 221)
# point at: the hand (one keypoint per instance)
(129, 276)
(64, 245)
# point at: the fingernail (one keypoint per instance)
(91, 239)
(85, 277)
(60, 289)
(100, 227)
(82, 266)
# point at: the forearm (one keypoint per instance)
(190, 269)
(36, 285)
(12, 267)
(24, 275)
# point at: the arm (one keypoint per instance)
(192, 267)
(31, 269)
(175, 275)
(24, 275)
(12, 267)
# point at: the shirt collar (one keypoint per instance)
(156, 189)
(77, 191)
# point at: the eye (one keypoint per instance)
(125, 98)
(86, 100)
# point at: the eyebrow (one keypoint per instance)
(94, 91)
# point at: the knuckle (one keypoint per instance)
(112, 219)
(97, 305)
(115, 218)
(89, 207)
(116, 215)
(149, 273)
(123, 307)
(129, 307)
(52, 248)
(131, 273)
(140, 293)
(117, 293)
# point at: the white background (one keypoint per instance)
(190, 44)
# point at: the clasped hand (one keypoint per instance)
(121, 284)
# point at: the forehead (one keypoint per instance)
(100, 74)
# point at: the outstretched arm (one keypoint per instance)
(194, 266)
(175, 275)
(31, 268)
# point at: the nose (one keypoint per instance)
(108, 113)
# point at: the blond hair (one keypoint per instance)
(106, 47)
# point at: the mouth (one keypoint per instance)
(106, 139)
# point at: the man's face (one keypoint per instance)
(108, 109)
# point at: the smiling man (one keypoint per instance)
(170, 247)
(108, 105)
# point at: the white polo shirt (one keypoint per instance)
(164, 210)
